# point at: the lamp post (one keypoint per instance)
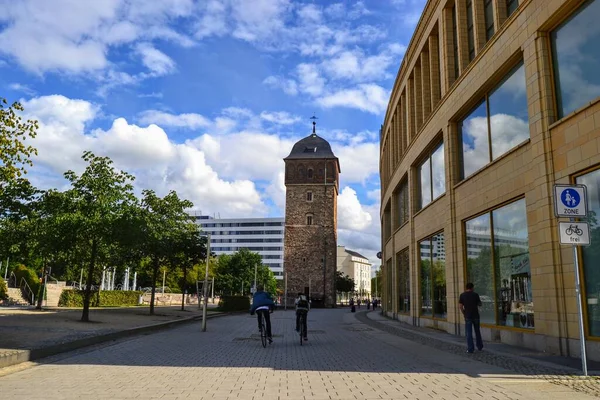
(205, 300)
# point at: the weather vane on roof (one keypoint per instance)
(314, 118)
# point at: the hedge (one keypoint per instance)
(234, 303)
(30, 276)
(3, 289)
(105, 298)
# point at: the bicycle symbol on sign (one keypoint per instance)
(574, 229)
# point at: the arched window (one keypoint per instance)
(310, 173)
(309, 219)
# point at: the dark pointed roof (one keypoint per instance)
(355, 254)
(312, 146)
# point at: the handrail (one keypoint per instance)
(10, 277)
(53, 278)
(30, 292)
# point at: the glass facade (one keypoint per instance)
(591, 253)
(432, 177)
(433, 276)
(402, 203)
(403, 281)
(511, 6)
(470, 30)
(576, 57)
(497, 125)
(497, 246)
(489, 19)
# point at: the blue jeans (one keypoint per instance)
(471, 324)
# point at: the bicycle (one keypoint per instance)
(574, 229)
(263, 329)
(302, 326)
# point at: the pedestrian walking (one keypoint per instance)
(352, 307)
(368, 304)
(374, 304)
(358, 302)
(469, 303)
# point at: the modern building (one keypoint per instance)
(357, 267)
(259, 235)
(495, 102)
(311, 181)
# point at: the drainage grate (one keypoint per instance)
(257, 336)
(316, 331)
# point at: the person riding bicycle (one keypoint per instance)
(263, 304)
(302, 307)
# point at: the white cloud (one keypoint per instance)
(350, 212)
(289, 86)
(358, 161)
(187, 120)
(213, 21)
(366, 97)
(156, 95)
(280, 117)
(155, 60)
(310, 80)
(17, 87)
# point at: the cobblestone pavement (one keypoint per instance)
(520, 365)
(345, 358)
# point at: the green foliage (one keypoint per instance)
(3, 289)
(235, 271)
(105, 298)
(376, 284)
(343, 283)
(14, 153)
(30, 277)
(234, 303)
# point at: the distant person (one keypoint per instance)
(469, 303)
(262, 304)
(368, 304)
(374, 304)
(358, 302)
(302, 307)
(352, 306)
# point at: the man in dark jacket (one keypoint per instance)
(469, 303)
(262, 305)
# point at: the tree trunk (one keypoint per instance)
(85, 316)
(155, 268)
(183, 294)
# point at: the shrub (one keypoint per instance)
(30, 277)
(234, 303)
(105, 298)
(3, 289)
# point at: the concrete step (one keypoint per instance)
(15, 297)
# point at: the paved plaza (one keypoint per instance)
(347, 357)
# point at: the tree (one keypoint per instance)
(235, 271)
(161, 221)
(376, 284)
(100, 195)
(343, 283)
(14, 153)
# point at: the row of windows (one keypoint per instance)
(500, 121)
(251, 248)
(241, 224)
(240, 233)
(279, 240)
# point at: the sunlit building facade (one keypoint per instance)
(495, 102)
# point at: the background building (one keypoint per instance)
(259, 235)
(494, 103)
(311, 181)
(357, 267)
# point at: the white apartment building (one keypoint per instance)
(259, 235)
(357, 267)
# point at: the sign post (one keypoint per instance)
(570, 201)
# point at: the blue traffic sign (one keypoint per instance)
(570, 198)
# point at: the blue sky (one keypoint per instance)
(207, 97)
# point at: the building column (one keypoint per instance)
(463, 41)
(479, 25)
(447, 46)
(410, 94)
(398, 120)
(403, 122)
(418, 94)
(500, 13)
(434, 70)
(425, 85)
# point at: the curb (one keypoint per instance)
(20, 356)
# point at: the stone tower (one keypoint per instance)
(310, 244)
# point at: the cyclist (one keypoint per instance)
(262, 304)
(302, 307)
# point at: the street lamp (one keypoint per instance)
(205, 288)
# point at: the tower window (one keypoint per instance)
(309, 219)
(310, 173)
(309, 196)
